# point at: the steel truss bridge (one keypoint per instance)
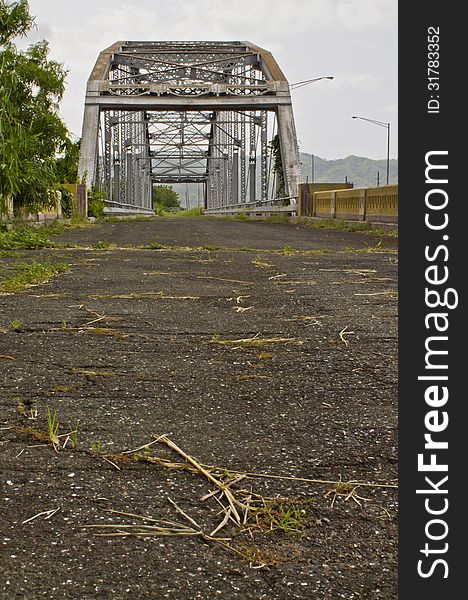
(217, 114)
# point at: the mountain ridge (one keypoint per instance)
(358, 170)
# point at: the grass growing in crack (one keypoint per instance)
(288, 250)
(104, 245)
(344, 225)
(373, 249)
(209, 248)
(73, 435)
(24, 275)
(96, 447)
(155, 246)
(274, 219)
(193, 212)
(291, 251)
(53, 426)
(285, 518)
(16, 325)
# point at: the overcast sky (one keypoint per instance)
(353, 40)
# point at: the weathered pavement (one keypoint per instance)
(323, 409)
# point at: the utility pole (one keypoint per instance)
(387, 127)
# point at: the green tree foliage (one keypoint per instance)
(67, 163)
(164, 196)
(278, 166)
(31, 132)
(15, 20)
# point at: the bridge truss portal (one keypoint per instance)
(217, 114)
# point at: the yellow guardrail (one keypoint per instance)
(377, 204)
(382, 203)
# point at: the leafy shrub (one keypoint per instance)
(96, 203)
(25, 274)
(67, 202)
(165, 197)
(158, 210)
(24, 238)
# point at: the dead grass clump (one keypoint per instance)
(223, 279)
(104, 331)
(62, 389)
(34, 433)
(26, 408)
(143, 377)
(93, 374)
(307, 319)
(251, 377)
(296, 282)
(145, 295)
(386, 293)
(242, 511)
(265, 356)
(347, 491)
(254, 342)
(258, 557)
(261, 264)
(378, 248)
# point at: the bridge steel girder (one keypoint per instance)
(188, 112)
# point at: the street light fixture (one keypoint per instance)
(387, 127)
(298, 84)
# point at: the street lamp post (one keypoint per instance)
(387, 127)
(298, 84)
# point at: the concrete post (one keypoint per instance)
(362, 205)
(89, 145)
(333, 205)
(289, 149)
(235, 176)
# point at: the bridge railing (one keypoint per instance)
(258, 209)
(112, 208)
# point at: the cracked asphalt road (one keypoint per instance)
(126, 343)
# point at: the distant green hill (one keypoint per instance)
(360, 171)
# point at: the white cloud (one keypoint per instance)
(354, 40)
